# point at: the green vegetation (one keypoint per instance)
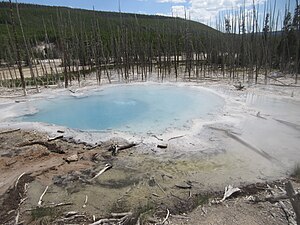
(138, 46)
(38, 19)
(47, 213)
(296, 172)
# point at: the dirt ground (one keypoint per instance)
(29, 162)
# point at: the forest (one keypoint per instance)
(60, 44)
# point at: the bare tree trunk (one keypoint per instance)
(18, 53)
(27, 51)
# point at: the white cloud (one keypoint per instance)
(206, 10)
(178, 11)
(171, 1)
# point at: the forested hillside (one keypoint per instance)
(41, 21)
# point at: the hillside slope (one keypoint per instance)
(37, 20)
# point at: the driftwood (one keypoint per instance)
(179, 217)
(172, 138)
(116, 148)
(229, 190)
(51, 206)
(158, 185)
(52, 147)
(56, 138)
(9, 131)
(167, 217)
(41, 197)
(85, 202)
(71, 218)
(118, 215)
(276, 198)
(71, 213)
(107, 167)
(17, 217)
(61, 204)
(160, 139)
(259, 116)
(17, 181)
(287, 213)
(102, 221)
(183, 186)
(119, 218)
(295, 200)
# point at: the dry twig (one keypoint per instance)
(41, 197)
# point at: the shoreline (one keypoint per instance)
(213, 155)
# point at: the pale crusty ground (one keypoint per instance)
(43, 165)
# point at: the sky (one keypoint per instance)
(204, 11)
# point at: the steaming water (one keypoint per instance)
(133, 108)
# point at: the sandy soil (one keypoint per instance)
(42, 165)
(147, 180)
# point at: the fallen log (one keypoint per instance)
(52, 147)
(116, 148)
(9, 131)
(172, 138)
(162, 145)
(71, 218)
(183, 186)
(294, 198)
(118, 215)
(107, 167)
(160, 139)
(102, 221)
(56, 138)
(61, 204)
(287, 213)
(276, 198)
(180, 217)
(51, 206)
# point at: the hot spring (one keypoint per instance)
(128, 108)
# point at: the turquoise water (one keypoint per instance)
(133, 108)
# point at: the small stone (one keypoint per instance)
(72, 158)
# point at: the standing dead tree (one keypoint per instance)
(18, 52)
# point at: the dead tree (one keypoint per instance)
(18, 52)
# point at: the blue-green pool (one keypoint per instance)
(133, 108)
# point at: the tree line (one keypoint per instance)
(62, 45)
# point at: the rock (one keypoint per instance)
(72, 158)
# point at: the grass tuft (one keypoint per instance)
(296, 172)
